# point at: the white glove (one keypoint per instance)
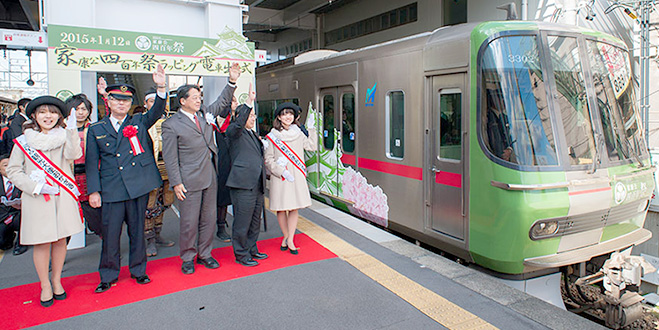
(288, 175)
(50, 190)
(71, 122)
(281, 161)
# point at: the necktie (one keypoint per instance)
(8, 193)
(118, 125)
(196, 121)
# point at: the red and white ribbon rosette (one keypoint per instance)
(130, 132)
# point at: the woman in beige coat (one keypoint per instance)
(50, 214)
(288, 187)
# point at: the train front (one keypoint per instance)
(560, 155)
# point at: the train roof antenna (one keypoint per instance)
(511, 9)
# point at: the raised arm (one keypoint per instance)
(223, 102)
(158, 108)
(237, 126)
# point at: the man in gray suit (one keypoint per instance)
(190, 153)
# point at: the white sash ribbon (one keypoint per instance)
(53, 172)
(288, 153)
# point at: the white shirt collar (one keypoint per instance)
(187, 114)
(115, 122)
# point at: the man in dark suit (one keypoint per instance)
(15, 126)
(125, 175)
(246, 181)
(10, 212)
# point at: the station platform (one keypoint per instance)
(347, 275)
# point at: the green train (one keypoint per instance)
(513, 145)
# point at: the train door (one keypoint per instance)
(448, 201)
(337, 106)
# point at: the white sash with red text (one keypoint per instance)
(53, 172)
(288, 153)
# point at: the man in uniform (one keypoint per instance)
(125, 175)
(161, 198)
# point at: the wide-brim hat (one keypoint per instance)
(46, 99)
(288, 105)
(121, 91)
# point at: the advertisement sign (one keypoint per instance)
(75, 49)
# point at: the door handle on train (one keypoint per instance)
(434, 169)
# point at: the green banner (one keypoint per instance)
(76, 48)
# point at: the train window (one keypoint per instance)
(516, 124)
(348, 137)
(572, 99)
(266, 111)
(395, 108)
(450, 129)
(615, 100)
(328, 122)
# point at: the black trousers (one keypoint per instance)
(7, 232)
(247, 208)
(114, 215)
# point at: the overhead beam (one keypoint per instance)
(261, 36)
(29, 13)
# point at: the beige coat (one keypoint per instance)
(41, 221)
(286, 195)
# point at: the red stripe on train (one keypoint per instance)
(449, 179)
(390, 168)
(349, 159)
(572, 193)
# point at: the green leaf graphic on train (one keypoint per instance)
(327, 174)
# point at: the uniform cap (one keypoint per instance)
(121, 91)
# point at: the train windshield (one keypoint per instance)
(516, 121)
(614, 90)
(517, 125)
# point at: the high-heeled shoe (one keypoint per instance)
(292, 251)
(60, 296)
(283, 247)
(47, 303)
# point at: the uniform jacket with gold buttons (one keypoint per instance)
(120, 175)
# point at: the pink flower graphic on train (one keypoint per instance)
(370, 202)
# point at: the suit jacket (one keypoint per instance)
(111, 167)
(6, 211)
(187, 151)
(16, 125)
(246, 150)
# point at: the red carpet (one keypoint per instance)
(166, 276)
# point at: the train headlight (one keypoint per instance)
(544, 229)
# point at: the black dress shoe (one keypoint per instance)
(248, 262)
(47, 303)
(283, 247)
(104, 286)
(188, 267)
(60, 296)
(259, 256)
(144, 279)
(19, 249)
(209, 262)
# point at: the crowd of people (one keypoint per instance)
(62, 173)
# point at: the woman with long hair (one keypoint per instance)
(40, 165)
(284, 157)
(82, 107)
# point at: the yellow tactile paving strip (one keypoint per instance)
(428, 302)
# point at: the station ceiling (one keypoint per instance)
(267, 17)
(19, 14)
